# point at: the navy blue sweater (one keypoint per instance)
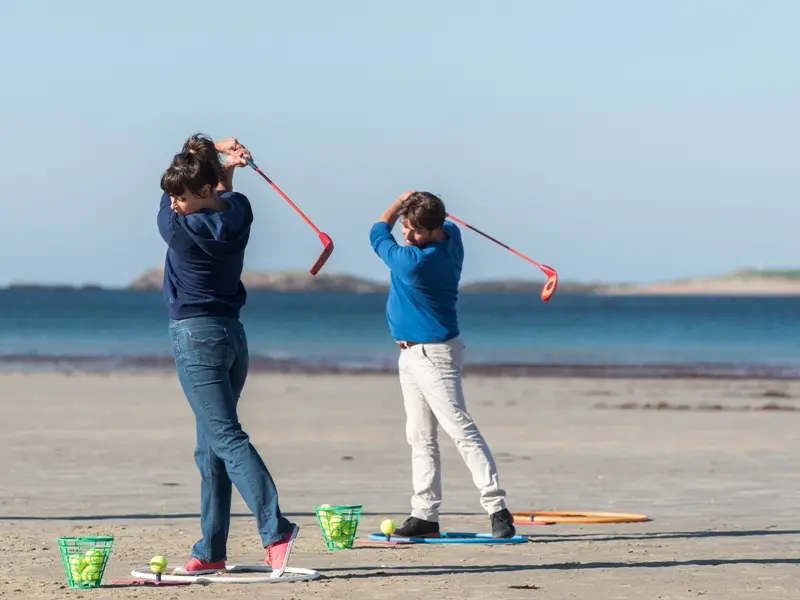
(423, 291)
(205, 257)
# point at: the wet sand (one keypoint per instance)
(713, 462)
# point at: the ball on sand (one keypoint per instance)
(158, 564)
(387, 527)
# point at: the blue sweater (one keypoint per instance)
(205, 257)
(423, 290)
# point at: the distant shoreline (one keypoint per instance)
(105, 364)
(739, 283)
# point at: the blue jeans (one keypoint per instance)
(211, 358)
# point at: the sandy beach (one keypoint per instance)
(713, 462)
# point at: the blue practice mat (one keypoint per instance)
(452, 537)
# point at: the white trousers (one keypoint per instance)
(430, 379)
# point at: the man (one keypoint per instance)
(422, 317)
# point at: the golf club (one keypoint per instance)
(327, 242)
(552, 277)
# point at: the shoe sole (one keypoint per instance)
(182, 571)
(503, 537)
(279, 572)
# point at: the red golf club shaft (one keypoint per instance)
(284, 196)
(546, 270)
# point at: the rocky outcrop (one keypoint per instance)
(279, 281)
(747, 282)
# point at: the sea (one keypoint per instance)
(505, 334)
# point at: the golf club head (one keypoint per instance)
(551, 284)
(327, 250)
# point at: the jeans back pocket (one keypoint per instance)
(211, 345)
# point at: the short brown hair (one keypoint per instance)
(195, 166)
(423, 211)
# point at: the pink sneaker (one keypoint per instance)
(278, 553)
(195, 566)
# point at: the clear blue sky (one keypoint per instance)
(616, 141)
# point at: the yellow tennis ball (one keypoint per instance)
(94, 556)
(387, 527)
(77, 563)
(335, 523)
(158, 564)
(90, 574)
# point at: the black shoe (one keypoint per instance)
(414, 527)
(503, 524)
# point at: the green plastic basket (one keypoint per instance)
(85, 559)
(338, 524)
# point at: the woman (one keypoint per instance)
(206, 226)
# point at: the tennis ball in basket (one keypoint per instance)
(335, 523)
(76, 563)
(158, 564)
(94, 556)
(324, 512)
(90, 574)
(387, 527)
